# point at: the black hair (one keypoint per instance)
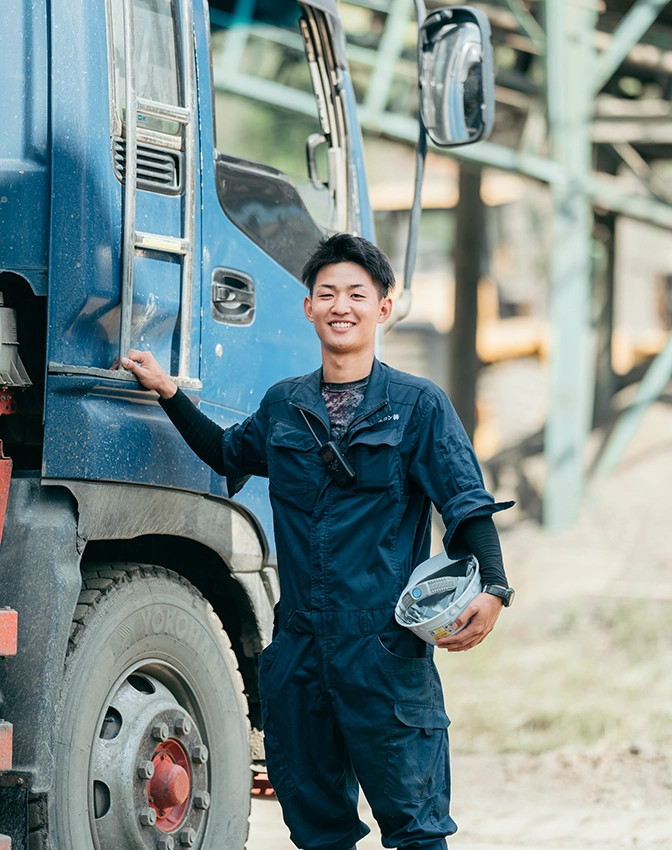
(344, 248)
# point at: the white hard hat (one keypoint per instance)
(437, 593)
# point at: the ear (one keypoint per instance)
(308, 308)
(385, 310)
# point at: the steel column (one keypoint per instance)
(468, 253)
(570, 67)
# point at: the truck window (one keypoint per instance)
(266, 98)
(157, 70)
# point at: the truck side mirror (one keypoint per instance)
(457, 99)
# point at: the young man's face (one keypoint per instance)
(346, 308)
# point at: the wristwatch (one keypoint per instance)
(506, 594)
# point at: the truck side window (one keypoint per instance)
(157, 70)
(266, 100)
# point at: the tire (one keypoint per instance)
(150, 680)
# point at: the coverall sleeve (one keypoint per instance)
(244, 450)
(444, 466)
(237, 452)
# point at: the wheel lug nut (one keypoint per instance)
(148, 816)
(166, 842)
(188, 837)
(202, 800)
(199, 754)
(183, 726)
(160, 731)
(146, 770)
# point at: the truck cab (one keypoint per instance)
(132, 216)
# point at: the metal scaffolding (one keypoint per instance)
(578, 49)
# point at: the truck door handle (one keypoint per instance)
(233, 297)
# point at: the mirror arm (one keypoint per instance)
(402, 305)
(420, 12)
(416, 209)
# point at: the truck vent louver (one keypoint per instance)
(158, 170)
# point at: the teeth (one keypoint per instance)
(342, 324)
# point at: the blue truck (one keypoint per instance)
(144, 594)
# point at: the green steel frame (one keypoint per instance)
(575, 74)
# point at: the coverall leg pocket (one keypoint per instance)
(278, 769)
(417, 757)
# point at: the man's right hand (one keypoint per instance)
(149, 373)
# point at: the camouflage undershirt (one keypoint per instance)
(342, 401)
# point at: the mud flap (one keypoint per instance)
(14, 812)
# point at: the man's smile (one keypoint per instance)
(341, 324)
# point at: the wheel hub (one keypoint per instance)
(149, 774)
(170, 787)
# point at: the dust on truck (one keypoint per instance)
(144, 594)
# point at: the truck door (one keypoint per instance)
(275, 76)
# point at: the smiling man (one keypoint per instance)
(356, 453)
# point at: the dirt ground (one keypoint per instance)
(575, 798)
(562, 719)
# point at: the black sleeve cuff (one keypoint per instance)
(481, 538)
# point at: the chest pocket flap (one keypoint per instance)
(389, 437)
(375, 457)
(288, 436)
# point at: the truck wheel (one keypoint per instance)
(153, 749)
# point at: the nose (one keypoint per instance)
(341, 304)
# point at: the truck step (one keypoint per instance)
(9, 624)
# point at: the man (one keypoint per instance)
(348, 696)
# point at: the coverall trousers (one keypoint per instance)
(348, 699)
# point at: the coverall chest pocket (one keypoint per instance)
(293, 464)
(375, 456)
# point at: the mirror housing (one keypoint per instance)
(457, 97)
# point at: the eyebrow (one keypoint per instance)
(333, 286)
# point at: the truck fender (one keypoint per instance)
(110, 511)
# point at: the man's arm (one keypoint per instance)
(479, 534)
(444, 465)
(202, 435)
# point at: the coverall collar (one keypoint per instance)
(309, 394)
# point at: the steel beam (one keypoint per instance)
(640, 207)
(657, 377)
(626, 35)
(389, 50)
(528, 23)
(570, 63)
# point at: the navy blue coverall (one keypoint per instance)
(348, 696)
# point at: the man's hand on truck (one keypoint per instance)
(148, 372)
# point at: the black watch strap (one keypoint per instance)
(506, 594)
